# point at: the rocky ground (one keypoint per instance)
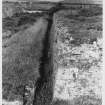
(78, 59)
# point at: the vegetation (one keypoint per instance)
(83, 100)
(19, 21)
(21, 60)
(93, 12)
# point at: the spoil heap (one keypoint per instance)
(78, 58)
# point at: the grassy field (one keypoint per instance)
(19, 21)
(21, 54)
(10, 8)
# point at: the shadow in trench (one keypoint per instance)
(44, 85)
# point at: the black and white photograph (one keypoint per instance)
(52, 52)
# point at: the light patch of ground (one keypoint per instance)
(79, 64)
(4, 102)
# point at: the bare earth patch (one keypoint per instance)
(78, 59)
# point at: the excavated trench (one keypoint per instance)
(44, 85)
